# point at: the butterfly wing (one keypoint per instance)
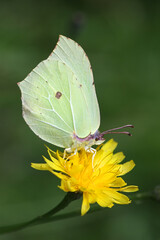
(46, 102)
(84, 102)
(58, 96)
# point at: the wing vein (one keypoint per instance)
(51, 102)
(47, 123)
(60, 84)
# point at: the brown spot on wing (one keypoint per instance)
(58, 95)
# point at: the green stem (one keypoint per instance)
(43, 218)
(48, 217)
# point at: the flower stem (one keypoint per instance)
(69, 197)
(49, 216)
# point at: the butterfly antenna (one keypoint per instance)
(112, 131)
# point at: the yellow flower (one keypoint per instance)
(98, 177)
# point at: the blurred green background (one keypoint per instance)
(122, 41)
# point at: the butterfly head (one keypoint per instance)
(87, 142)
(95, 139)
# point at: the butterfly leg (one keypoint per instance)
(94, 153)
(92, 150)
(75, 152)
(66, 150)
(69, 150)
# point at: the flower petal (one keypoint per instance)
(130, 188)
(104, 200)
(59, 159)
(92, 197)
(54, 166)
(117, 197)
(102, 160)
(104, 180)
(119, 182)
(85, 204)
(117, 158)
(60, 175)
(41, 166)
(51, 153)
(67, 186)
(126, 167)
(109, 146)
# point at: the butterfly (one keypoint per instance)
(59, 99)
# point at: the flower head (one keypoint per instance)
(97, 177)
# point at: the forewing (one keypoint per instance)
(46, 102)
(84, 101)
